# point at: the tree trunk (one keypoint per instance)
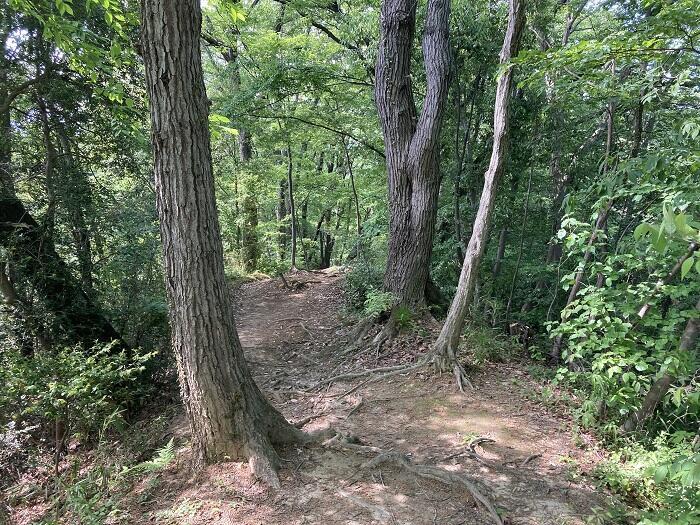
(661, 386)
(250, 248)
(411, 141)
(355, 198)
(35, 259)
(292, 211)
(228, 415)
(7, 188)
(520, 247)
(448, 341)
(500, 253)
(49, 219)
(28, 324)
(281, 212)
(77, 199)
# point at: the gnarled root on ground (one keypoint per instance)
(444, 359)
(438, 474)
(349, 442)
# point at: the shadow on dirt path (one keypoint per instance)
(295, 338)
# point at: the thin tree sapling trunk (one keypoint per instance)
(292, 211)
(445, 349)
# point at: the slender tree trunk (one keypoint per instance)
(7, 187)
(77, 199)
(661, 386)
(520, 247)
(49, 222)
(355, 198)
(28, 322)
(292, 211)
(448, 341)
(411, 140)
(228, 415)
(500, 253)
(281, 212)
(250, 247)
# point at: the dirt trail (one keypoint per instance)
(293, 340)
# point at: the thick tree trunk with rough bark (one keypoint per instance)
(411, 140)
(445, 348)
(228, 415)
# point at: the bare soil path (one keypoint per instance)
(294, 339)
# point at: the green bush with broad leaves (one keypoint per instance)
(361, 284)
(662, 477)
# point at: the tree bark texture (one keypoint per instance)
(411, 140)
(448, 340)
(228, 415)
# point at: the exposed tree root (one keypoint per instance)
(387, 333)
(529, 458)
(384, 373)
(379, 513)
(349, 442)
(437, 474)
(471, 451)
(430, 359)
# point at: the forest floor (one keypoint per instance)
(533, 467)
(294, 339)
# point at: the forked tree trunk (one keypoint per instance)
(448, 341)
(228, 415)
(411, 140)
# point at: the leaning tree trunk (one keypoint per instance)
(228, 415)
(661, 386)
(36, 261)
(445, 348)
(411, 141)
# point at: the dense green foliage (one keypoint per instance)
(606, 121)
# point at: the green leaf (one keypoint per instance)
(641, 230)
(660, 474)
(686, 266)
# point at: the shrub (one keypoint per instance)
(82, 388)
(360, 282)
(663, 478)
